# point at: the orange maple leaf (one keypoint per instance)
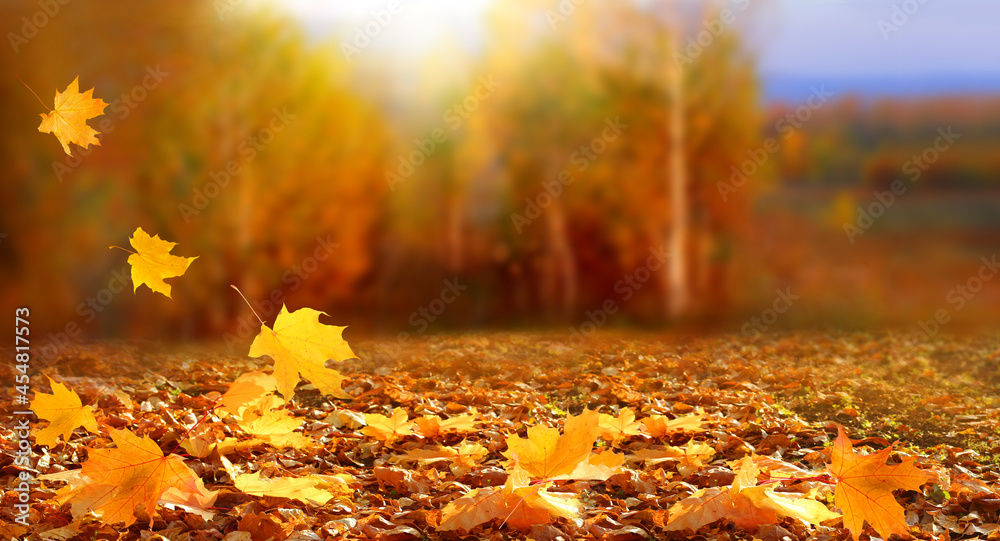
(113, 482)
(300, 346)
(475, 507)
(68, 119)
(865, 484)
(247, 388)
(64, 412)
(545, 454)
(388, 429)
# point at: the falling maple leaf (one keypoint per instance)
(152, 262)
(68, 119)
(112, 482)
(619, 428)
(865, 484)
(300, 346)
(64, 411)
(546, 454)
(388, 429)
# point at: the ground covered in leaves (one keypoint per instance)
(779, 396)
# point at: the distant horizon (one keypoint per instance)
(793, 88)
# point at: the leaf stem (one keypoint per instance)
(123, 249)
(248, 304)
(33, 92)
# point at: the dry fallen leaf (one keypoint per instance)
(112, 482)
(659, 426)
(431, 426)
(865, 484)
(388, 429)
(619, 428)
(152, 262)
(300, 346)
(68, 119)
(64, 412)
(546, 454)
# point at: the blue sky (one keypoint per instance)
(843, 37)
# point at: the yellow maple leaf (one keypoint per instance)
(64, 412)
(275, 426)
(152, 262)
(463, 458)
(68, 120)
(659, 426)
(865, 484)
(112, 482)
(546, 454)
(619, 428)
(300, 346)
(312, 489)
(388, 429)
(432, 425)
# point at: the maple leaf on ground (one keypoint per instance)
(658, 426)
(463, 458)
(431, 425)
(112, 482)
(744, 503)
(865, 484)
(546, 454)
(64, 411)
(475, 507)
(619, 428)
(300, 346)
(388, 429)
(690, 458)
(247, 388)
(68, 119)
(152, 262)
(312, 489)
(275, 426)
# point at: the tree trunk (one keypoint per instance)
(677, 280)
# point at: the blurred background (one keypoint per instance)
(412, 166)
